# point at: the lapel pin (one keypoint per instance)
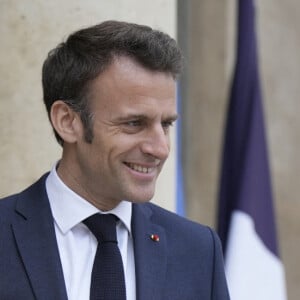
(154, 237)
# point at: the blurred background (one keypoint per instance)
(205, 30)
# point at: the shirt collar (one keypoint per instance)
(69, 209)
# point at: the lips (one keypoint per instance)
(140, 168)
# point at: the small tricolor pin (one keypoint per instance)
(154, 237)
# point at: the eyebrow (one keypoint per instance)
(172, 118)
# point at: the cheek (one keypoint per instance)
(168, 142)
(125, 142)
(110, 147)
(168, 138)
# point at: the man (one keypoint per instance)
(109, 91)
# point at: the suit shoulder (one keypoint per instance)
(8, 204)
(168, 216)
(180, 225)
(185, 235)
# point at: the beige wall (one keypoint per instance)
(208, 39)
(28, 30)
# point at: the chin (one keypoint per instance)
(142, 198)
(139, 194)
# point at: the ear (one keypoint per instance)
(66, 122)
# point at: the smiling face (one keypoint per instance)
(133, 109)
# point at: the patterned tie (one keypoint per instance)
(108, 281)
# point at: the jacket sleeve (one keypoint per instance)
(219, 289)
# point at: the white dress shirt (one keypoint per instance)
(77, 245)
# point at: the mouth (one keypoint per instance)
(140, 168)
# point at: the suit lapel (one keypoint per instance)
(150, 255)
(35, 238)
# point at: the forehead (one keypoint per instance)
(127, 83)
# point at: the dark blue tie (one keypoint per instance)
(108, 281)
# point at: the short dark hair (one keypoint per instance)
(73, 64)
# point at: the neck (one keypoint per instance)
(73, 181)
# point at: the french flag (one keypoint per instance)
(246, 218)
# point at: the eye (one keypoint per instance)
(134, 123)
(167, 124)
(133, 126)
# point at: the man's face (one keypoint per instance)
(133, 109)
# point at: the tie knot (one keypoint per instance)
(103, 226)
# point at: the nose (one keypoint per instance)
(156, 143)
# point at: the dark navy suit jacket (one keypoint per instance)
(185, 264)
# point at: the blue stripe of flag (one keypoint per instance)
(180, 201)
